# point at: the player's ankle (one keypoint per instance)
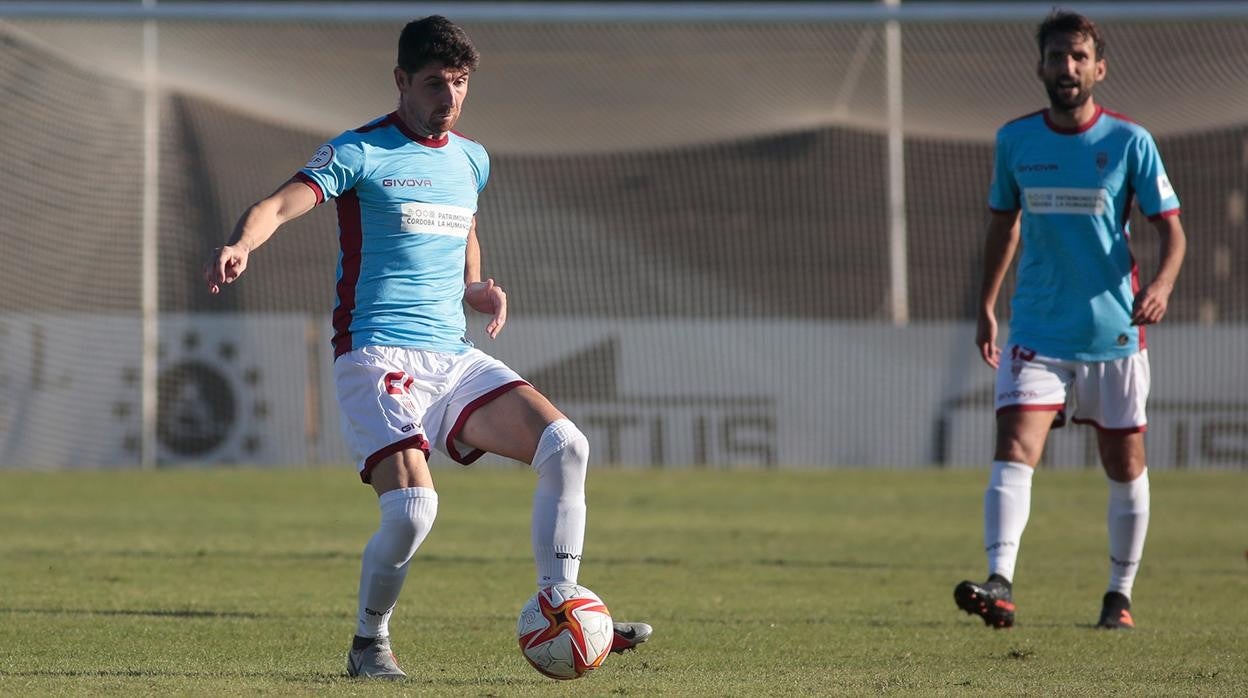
(360, 642)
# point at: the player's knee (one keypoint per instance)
(1015, 449)
(576, 450)
(408, 534)
(1125, 471)
(410, 528)
(563, 454)
(406, 519)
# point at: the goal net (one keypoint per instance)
(691, 217)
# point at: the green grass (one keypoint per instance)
(243, 582)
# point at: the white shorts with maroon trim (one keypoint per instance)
(1109, 395)
(394, 398)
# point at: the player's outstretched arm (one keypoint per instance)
(257, 224)
(1152, 301)
(483, 296)
(999, 245)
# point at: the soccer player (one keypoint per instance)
(407, 379)
(1078, 312)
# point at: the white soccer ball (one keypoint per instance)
(565, 630)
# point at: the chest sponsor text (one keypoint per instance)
(435, 219)
(1069, 200)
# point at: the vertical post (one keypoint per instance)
(899, 286)
(148, 245)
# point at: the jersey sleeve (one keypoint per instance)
(483, 171)
(1148, 179)
(1003, 193)
(480, 160)
(334, 168)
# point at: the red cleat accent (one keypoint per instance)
(628, 635)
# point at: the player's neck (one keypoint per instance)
(1073, 119)
(413, 125)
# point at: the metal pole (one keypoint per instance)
(899, 286)
(148, 245)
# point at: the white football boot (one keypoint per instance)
(628, 635)
(376, 661)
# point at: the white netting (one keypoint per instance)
(714, 190)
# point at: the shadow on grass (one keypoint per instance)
(322, 678)
(459, 559)
(191, 554)
(149, 613)
(834, 564)
(203, 554)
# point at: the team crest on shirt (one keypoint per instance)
(1102, 159)
(322, 157)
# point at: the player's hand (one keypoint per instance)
(986, 339)
(489, 298)
(1150, 305)
(225, 265)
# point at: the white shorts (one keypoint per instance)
(394, 398)
(1109, 395)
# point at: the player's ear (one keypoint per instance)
(401, 79)
(1101, 68)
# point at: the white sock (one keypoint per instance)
(1007, 505)
(561, 462)
(407, 514)
(1128, 525)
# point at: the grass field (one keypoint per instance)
(242, 582)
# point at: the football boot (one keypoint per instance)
(993, 600)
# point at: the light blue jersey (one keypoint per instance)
(1077, 279)
(405, 207)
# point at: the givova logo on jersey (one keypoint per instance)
(424, 182)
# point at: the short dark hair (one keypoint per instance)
(1064, 22)
(435, 39)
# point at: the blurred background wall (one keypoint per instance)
(693, 213)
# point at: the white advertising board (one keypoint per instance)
(258, 389)
(808, 394)
(232, 389)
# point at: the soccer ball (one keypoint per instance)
(565, 630)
